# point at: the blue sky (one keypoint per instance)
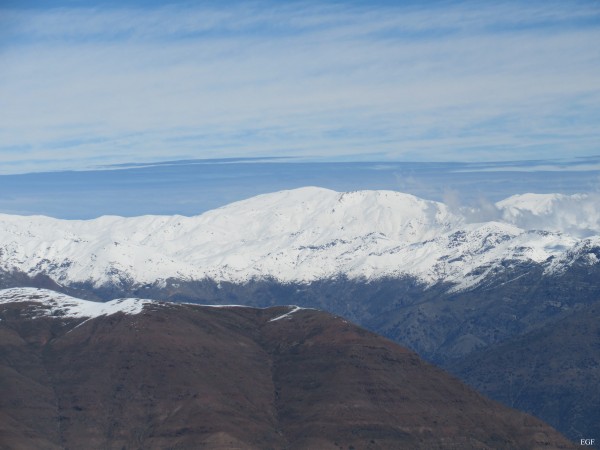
(191, 187)
(91, 84)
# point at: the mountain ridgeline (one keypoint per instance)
(452, 284)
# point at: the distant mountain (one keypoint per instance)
(305, 235)
(134, 373)
(552, 372)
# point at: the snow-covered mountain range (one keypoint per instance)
(308, 234)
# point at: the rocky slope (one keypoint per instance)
(552, 372)
(137, 374)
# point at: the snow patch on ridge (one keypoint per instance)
(293, 309)
(54, 304)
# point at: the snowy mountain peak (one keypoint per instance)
(297, 210)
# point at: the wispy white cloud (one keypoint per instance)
(462, 82)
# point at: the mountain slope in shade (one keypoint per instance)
(301, 236)
(188, 376)
(552, 372)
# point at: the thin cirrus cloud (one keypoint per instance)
(82, 87)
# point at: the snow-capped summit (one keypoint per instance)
(298, 235)
(577, 214)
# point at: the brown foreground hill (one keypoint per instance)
(196, 377)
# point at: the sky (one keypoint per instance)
(86, 85)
